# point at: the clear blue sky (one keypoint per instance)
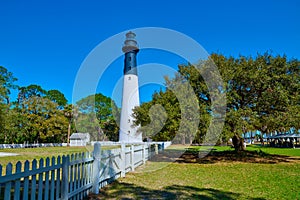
(45, 42)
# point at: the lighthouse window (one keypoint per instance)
(129, 78)
(128, 120)
(129, 58)
(128, 132)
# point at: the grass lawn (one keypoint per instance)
(258, 173)
(37, 153)
(41, 152)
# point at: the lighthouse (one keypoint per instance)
(130, 97)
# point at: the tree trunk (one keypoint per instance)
(238, 143)
(191, 139)
(69, 132)
(183, 140)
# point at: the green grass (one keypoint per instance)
(38, 153)
(42, 152)
(239, 177)
(276, 151)
(265, 149)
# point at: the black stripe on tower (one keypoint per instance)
(130, 62)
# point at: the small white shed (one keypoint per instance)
(79, 139)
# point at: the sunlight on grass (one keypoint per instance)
(277, 151)
(218, 180)
(43, 152)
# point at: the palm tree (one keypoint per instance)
(70, 112)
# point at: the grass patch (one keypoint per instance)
(42, 153)
(258, 173)
(276, 151)
(38, 153)
(209, 181)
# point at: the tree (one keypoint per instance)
(15, 128)
(98, 115)
(30, 91)
(154, 117)
(34, 117)
(208, 88)
(280, 92)
(262, 93)
(70, 112)
(57, 97)
(171, 115)
(6, 84)
(45, 122)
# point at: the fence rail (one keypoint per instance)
(28, 145)
(73, 176)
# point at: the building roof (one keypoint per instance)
(285, 136)
(82, 136)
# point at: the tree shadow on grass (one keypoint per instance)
(211, 156)
(127, 191)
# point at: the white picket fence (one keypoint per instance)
(73, 176)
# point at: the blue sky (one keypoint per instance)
(45, 42)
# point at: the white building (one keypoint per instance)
(79, 139)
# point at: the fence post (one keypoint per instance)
(123, 159)
(65, 177)
(132, 157)
(96, 167)
(144, 153)
(156, 148)
(149, 151)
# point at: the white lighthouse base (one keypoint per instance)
(130, 100)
